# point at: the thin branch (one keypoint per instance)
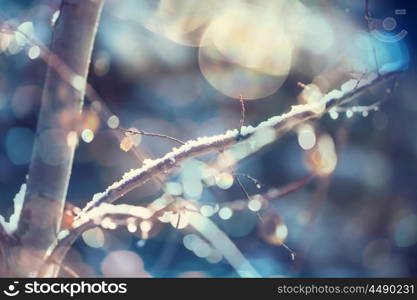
(255, 181)
(242, 110)
(209, 230)
(243, 189)
(275, 194)
(141, 132)
(292, 252)
(280, 124)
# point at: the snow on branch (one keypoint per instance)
(11, 225)
(107, 215)
(102, 215)
(279, 125)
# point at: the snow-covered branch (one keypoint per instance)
(277, 125)
(209, 230)
(107, 215)
(98, 216)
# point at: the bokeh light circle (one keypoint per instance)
(123, 263)
(245, 52)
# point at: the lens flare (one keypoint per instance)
(245, 52)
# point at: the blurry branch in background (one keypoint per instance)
(255, 181)
(47, 182)
(367, 14)
(275, 194)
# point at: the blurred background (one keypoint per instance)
(178, 68)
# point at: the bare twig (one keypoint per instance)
(141, 132)
(367, 14)
(255, 181)
(274, 194)
(292, 252)
(242, 110)
(220, 241)
(245, 192)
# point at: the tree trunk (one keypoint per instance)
(53, 151)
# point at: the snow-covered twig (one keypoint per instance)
(279, 125)
(105, 214)
(141, 132)
(259, 202)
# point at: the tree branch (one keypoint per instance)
(279, 125)
(97, 216)
(62, 101)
